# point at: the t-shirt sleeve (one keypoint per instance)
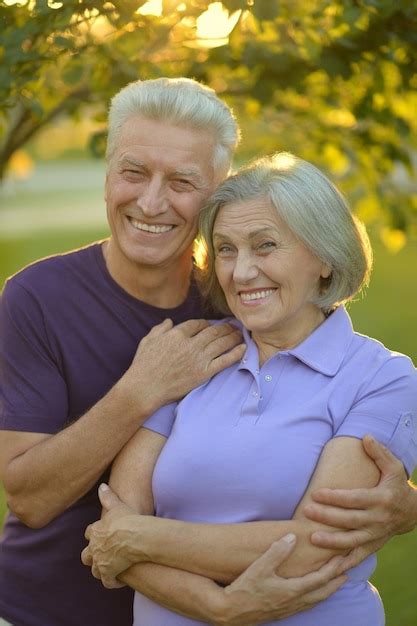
(162, 420)
(387, 409)
(33, 393)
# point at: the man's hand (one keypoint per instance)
(173, 360)
(259, 595)
(107, 553)
(369, 517)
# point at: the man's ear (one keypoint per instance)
(105, 186)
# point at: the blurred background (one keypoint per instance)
(335, 83)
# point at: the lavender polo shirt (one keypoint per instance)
(68, 332)
(244, 446)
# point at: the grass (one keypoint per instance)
(388, 312)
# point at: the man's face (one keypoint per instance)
(158, 178)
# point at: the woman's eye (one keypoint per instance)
(223, 249)
(267, 245)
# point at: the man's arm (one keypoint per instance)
(257, 596)
(43, 474)
(369, 517)
(223, 551)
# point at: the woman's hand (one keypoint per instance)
(113, 540)
(259, 594)
(368, 517)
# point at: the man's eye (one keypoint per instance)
(133, 172)
(182, 183)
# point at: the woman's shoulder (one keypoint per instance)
(377, 356)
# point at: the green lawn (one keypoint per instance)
(388, 312)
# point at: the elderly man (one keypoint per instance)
(76, 385)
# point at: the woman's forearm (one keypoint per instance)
(223, 551)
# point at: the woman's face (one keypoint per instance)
(268, 276)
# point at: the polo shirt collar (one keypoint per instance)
(323, 350)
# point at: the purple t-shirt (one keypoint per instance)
(68, 333)
(244, 446)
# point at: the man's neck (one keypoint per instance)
(163, 287)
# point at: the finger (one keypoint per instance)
(95, 571)
(346, 540)
(162, 327)
(213, 332)
(111, 583)
(276, 554)
(357, 555)
(226, 360)
(317, 579)
(193, 327)
(86, 557)
(87, 533)
(349, 519)
(108, 498)
(387, 463)
(223, 343)
(324, 591)
(346, 498)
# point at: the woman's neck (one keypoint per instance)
(287, 336)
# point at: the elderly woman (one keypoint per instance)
(231, 467)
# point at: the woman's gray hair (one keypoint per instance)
(180, 101)
(314, 210)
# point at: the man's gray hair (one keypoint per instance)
(314, 210)
(182, 102)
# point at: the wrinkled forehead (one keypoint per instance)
(158, 143)
(249, 216)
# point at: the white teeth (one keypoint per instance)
(256, 295)
(151, 228)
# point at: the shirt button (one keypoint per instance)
(407, 422)
(257, 371)
(244, 360)
(268, 378)
(255, 394)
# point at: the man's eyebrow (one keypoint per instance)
(191, 174)
(130, 161)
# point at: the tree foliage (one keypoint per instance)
(334, 82)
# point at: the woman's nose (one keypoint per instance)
(245, 268)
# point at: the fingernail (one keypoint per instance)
(104, 487)
(290, 538)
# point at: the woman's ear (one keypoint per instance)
(326, 270)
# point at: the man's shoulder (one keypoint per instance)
(50, 274)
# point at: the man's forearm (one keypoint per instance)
(259, 595)
(46, 479)
(188, 594)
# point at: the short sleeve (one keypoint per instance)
(33, 392)
(162, 420)
(387, 409)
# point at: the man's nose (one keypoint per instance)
(245, 268)
(152, 200)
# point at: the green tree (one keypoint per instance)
(333, 82)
